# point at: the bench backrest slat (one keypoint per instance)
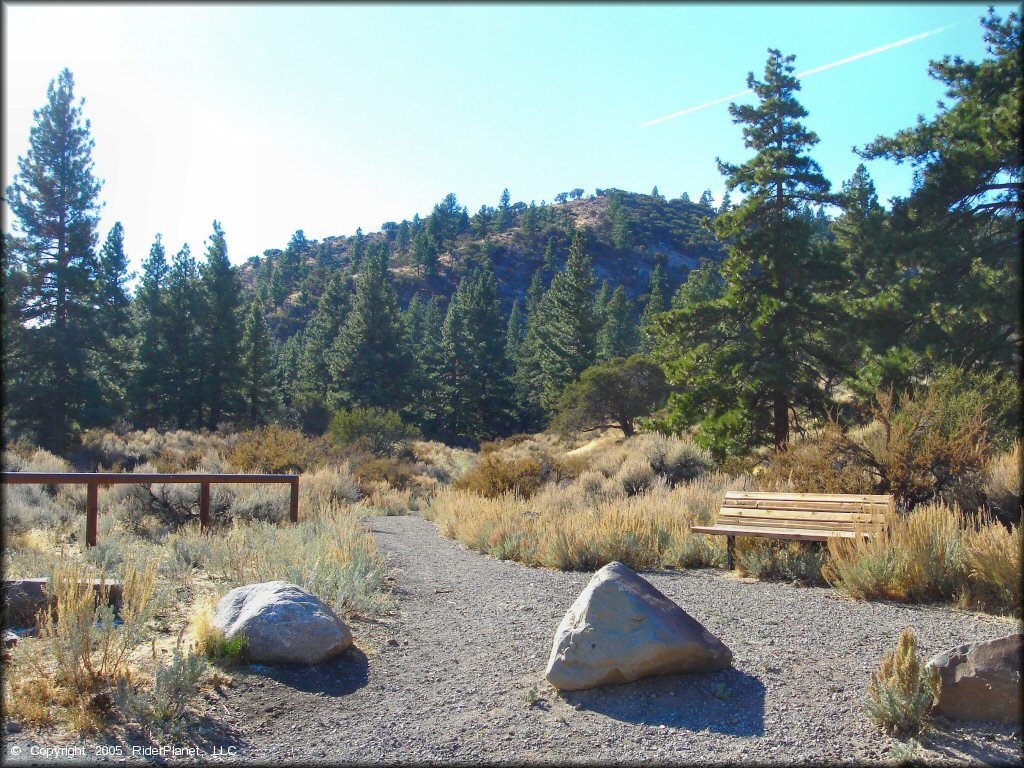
(803, 511)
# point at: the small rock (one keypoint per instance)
(13, 726)
(10, 639)
(392, 642)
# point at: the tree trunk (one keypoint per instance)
(781, 420)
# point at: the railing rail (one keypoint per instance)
(95, 479)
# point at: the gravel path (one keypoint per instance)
(447, 678)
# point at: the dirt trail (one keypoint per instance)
(447, 677)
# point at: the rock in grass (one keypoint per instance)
(24, 598)
(282, 623)
(621, 628)
(981, 681)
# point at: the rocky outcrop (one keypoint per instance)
(282, 623)
(621, 628)
(981, 681)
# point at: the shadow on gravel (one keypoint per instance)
(342, 675)
(728, 702)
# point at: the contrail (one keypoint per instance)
(816, 70)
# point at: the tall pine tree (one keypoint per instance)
(752, 358)
(55, 201)
(222, 331)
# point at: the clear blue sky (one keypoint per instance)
(273, 118)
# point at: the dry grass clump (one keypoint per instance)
(933, 553)
(587, 524)
(331, 555)
(902, 690)
(81, 651)
(1002, 484)
(768, 560)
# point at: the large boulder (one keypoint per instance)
(621, 628)
(282, 623)
(981, 681)
(24, 598)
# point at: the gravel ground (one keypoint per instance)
(456, 676)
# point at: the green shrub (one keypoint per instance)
(780, 560)
(277, 450)
(902, 691)
(164, 711)
(379, 431)
(382, 469)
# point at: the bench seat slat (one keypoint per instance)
(785, 514)
(779, 533)
(823, 505)
(736, 522)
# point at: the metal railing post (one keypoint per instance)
(293, 511)
(204, 506)
(92, 508)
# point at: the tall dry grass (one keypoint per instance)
(933, 553)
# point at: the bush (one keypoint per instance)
(780, 560)
(383, 469)
(209, 641)
(379, 431)
(276, 450)
(902, 691)
(493, 475)
(164, 711)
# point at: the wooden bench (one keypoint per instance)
(798, 516)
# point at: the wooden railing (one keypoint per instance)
(95, 479)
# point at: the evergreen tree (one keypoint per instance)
(113, 360)
(261, 398)
(55, 201)
(550, 259)
(567, 333)
(368, 361)
(503, 216)
(707, 201)
(655, 306)
(222, 330)
(757, 354)
(183, 344)
(423, 335)
(958, 234)
(424, 254)
(703, 284)
(148, 390)
(313, 376)
(475, 375)
(617, 337)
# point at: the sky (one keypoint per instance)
(322, 117)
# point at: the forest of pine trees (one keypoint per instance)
(760, 312)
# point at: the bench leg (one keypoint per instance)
(729, 541)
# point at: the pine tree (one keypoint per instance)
(475, 375)
(184, 361)
(368, 361)
(655, 306)
(424, 254)
(754, 356)
(261, 398)
(959, 232)
(567, 332)
(313, 376)
(222, 330)
(617, 337)
(550, 264)
(423, 336)
(148, 390)
(55, 201)
(503, 216)
(113, 360)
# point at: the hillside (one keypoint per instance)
(627, 235)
